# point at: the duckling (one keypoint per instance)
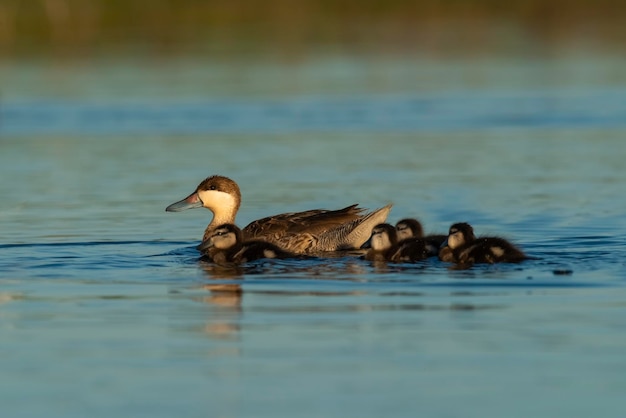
(226, 245)
(412, 228)
(460, 235)
(463, 247)
(409, 228)
(382, 243)
(305, 232)
(385, 246)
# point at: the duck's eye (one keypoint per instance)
(212, 187)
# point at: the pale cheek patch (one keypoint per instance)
(269, 254)
(380, 242)
(224, 242)
(213, 199)
(455, 240)
(385, 241)
(219, 243)
(377, 242)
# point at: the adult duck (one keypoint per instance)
(305, 232)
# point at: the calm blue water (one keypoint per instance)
(106, 311)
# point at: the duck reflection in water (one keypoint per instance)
(224, 300)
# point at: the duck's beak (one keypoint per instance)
(190, 202)
(205, 245)
(444, 244)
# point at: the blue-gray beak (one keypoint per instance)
(190, 202)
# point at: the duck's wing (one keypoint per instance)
(318, 230)
(313, 222)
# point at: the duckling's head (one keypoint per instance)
(409, 228)
(460, 234)
(223, 237)
(383, 237)
(216, 193)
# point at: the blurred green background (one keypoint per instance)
(87, 28)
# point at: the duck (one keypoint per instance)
(412, 228)
(385, 246)
(312, 231)
(463, 247)
(226, 245)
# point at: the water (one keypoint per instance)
(105, 309)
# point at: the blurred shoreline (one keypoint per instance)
(90, 28)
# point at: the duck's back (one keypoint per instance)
(317, 230)
(313, 221)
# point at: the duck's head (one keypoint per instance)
(409, 228)
(216, 193)
(383, 237)
(223, 237)
(460, 234)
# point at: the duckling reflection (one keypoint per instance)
(386, 247)
(225, 295)
(221, 271)
(412, 228)
(225, 299)
(226, 245)
(464, 248)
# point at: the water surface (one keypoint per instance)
(106, 310)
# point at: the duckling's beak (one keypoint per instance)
(205, 245)
(190, 202)
(444, 244)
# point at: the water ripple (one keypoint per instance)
(389, 113)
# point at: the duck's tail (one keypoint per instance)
(354, 234)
